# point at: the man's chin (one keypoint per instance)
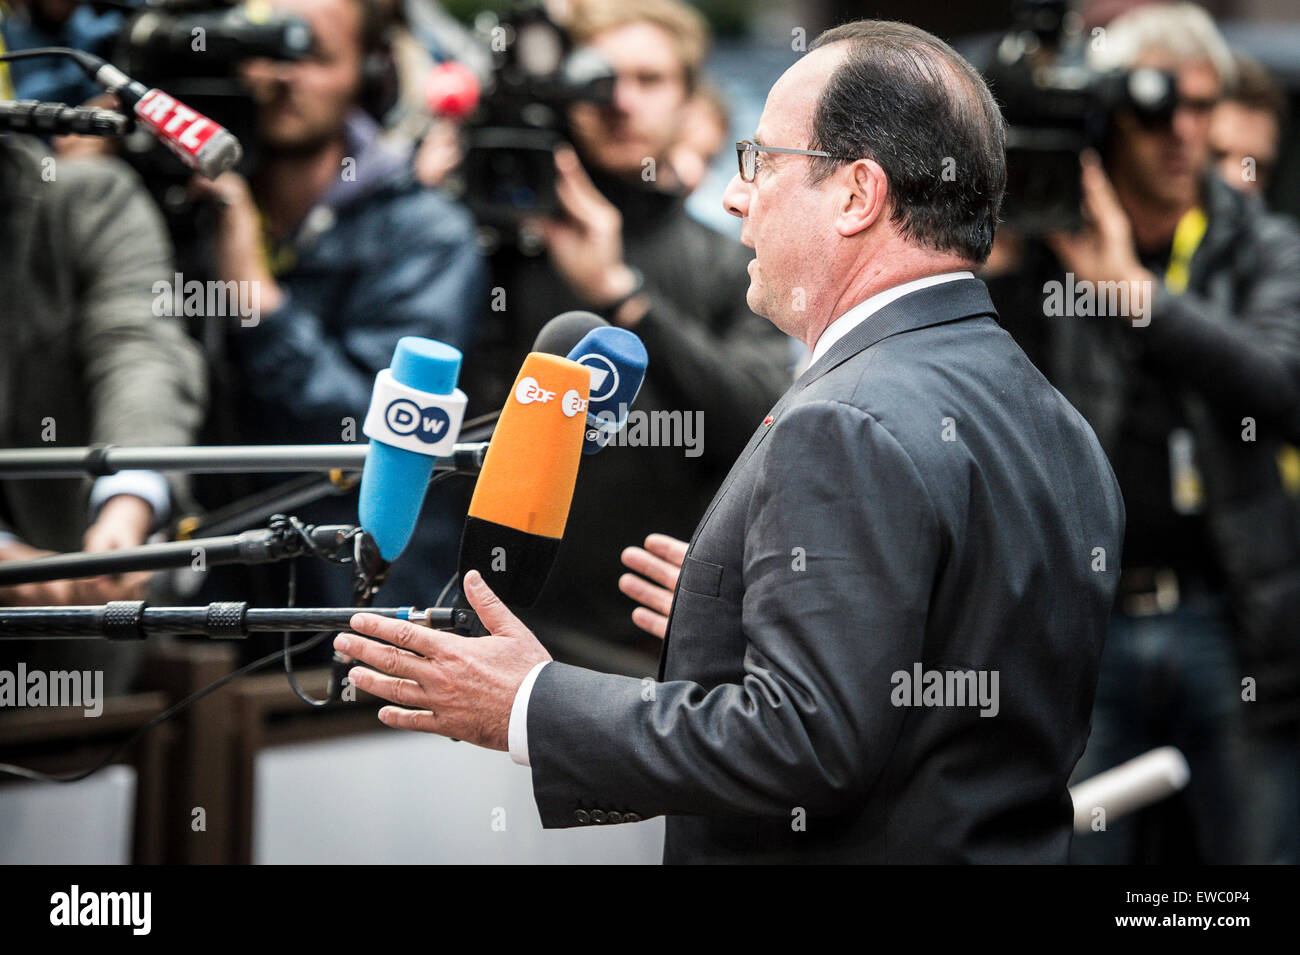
(289, 145)
(1175, 189)
(293, 139)
(621, 162)
(755, 299)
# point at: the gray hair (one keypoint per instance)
(1181, 30)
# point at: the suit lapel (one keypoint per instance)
(937, 305)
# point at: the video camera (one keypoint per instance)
(193, 49)
(180, 39)
(1056, 105)
(536, 74)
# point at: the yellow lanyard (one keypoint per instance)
(1187, 236)
(279, 257)
(6, 82)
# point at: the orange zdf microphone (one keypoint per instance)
(521, 501)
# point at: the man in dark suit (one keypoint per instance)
(884, 641)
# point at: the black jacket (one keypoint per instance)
(1229, 348)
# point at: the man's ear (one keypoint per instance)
(864, 192)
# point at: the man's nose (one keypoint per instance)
(265, 72)
(736, 199)
(1189, 125)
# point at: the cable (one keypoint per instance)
(455, 574)
(288, 659)
(481, 420)
(293, 593)
(87, 61)
(443, 594)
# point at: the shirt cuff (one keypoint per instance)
(518, 734)
(150, 486)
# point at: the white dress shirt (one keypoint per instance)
(518, 732)
(865, 309)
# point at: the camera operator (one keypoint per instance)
(1193, 390)
(624, 246)
(348, 254)
(85, 357)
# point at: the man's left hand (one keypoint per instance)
(462, 687)
(1103, 250)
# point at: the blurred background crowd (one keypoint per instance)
(466, 171)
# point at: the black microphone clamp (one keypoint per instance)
(59, 119)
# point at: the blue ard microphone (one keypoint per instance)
(616, 360)
(414, 417)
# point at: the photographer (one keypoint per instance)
(624, 246)
(348, 254)
(1193, 391)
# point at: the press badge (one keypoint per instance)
(1186, 489)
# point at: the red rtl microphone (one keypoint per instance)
(203, 145)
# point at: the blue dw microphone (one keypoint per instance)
(415, 416)
(616, 360)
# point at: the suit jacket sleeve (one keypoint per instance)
(145, 380)
(841, 548)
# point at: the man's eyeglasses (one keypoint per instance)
(747, 156)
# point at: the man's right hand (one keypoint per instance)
(44, 593)
(659, 563)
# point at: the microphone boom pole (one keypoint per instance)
(99, 460)
(57, 119)
(224, 620)
(281, 541)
